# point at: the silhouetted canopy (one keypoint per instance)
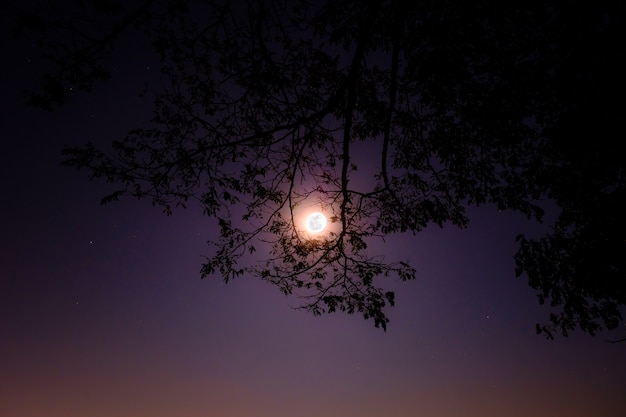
(265, 107)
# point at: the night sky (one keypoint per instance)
(103, 312)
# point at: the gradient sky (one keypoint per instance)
(103, 313)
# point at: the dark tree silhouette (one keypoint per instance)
(264, 106)
(580, 266)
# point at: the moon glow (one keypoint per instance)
(315, 222)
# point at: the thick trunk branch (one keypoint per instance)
(352, 78)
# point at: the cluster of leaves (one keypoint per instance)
(262, 104)
(579, 267)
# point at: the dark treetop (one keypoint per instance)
(388, 116)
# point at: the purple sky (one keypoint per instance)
(103, 313)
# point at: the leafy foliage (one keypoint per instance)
(263, 103)
(579, 266)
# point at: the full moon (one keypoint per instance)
(316, 222)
